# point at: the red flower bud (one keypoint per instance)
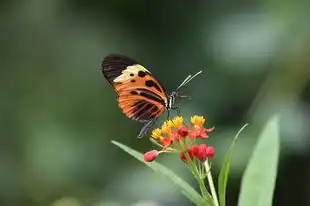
(202, 152)
(183, 156)
(150, 155)
(183, 131)
(195, 150)
(210, 151)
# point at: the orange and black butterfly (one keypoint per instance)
(140, 95)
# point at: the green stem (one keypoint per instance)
(204, 190)
(198, 177)
(211, 184)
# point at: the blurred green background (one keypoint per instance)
(58, 114)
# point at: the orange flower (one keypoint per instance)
(172, 135)
(199, 132)
(166, 141)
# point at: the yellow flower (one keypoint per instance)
(167, 126)
(198, 121)
(177, 121)
(156, 133)
(169, 123)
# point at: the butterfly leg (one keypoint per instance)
(185, 97)
(146, 128)
(168, 114)
(178, 110)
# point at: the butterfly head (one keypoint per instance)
(172, 99)
(175, 95)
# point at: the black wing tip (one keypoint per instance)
(109, 58)
(113, 65)
(117, 58)
(112, 56)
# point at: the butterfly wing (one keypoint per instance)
(140, 95)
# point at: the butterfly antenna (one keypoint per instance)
(184, 81)
(188, 79)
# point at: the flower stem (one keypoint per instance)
(204, 190)
(211, 184)
(198, 177)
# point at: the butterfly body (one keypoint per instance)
(139, 94)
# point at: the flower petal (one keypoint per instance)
(198, 121)
(202, 133)
(167, 127)
(183, 131)
(209, 129)
(166, 142)
(194, 133)
(156, 133)
(177, 122)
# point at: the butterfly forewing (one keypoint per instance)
(140, 95)
(114, 64)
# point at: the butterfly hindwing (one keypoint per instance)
(140, 95)
(140, 108)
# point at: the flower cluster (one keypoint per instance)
(174, 136)
(201, 152)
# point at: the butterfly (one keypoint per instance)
(139, 94)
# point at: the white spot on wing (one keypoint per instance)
(134, 69)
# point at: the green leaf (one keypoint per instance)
(223, 177)
(183, 186)
(259, 179)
